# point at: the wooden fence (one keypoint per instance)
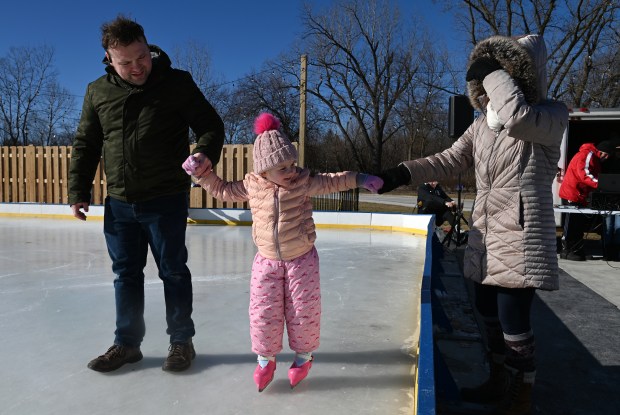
(40, 175)
(34, 174)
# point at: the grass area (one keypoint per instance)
(381, 208)
(387, 208)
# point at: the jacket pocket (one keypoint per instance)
(505, 217)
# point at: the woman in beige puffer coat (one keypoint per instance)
(514, 147)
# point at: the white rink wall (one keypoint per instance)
(410, 223)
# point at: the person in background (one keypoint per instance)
(433, 200)
(611, 223)
(580, 180)
(285, 281)
(138, 115)
(514, 147)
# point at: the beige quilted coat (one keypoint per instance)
(512, 241)
(282, 224)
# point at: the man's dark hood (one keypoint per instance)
(523, 58)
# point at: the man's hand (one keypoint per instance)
(197, 165)
(77, 212)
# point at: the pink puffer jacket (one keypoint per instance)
(282, 227)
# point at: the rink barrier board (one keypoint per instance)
(424, 372)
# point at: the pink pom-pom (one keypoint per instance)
(265, 122)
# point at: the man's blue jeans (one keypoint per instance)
(611, 234)
(130, 228)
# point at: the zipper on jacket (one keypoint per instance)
(486, 200)
(129, 155)
(276, 221)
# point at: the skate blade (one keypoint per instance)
(265, 387)
(295, 385)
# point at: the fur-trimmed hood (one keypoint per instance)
(524, 58)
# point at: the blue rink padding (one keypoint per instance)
(425, 402)
(428, 357)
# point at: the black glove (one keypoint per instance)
(394, 177)
(481, 67)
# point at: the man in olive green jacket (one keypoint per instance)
(137, 116)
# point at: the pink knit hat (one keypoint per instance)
(271, 146)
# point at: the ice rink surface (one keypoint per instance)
(57, 313)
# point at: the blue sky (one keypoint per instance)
(239, 35)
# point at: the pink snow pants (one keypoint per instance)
(285, 291)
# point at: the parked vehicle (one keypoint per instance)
(584, 125)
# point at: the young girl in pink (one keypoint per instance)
(285, 273)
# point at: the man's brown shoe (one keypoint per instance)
(115, 357)
(180, 356)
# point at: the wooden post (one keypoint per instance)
(30, 174)
(302, 111)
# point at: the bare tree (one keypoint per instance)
(423, 107)
(581, 36)
(238, 117)
(360, 64)
(603, 87)
(32, 104)
(593, 77)
(57, 107)
(271, 90)
(193, 57)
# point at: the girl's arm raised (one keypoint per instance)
(223, 190)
